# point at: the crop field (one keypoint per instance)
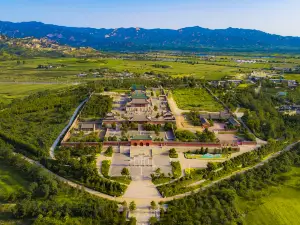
(11, 71)
(196, 99)
(10, 91)
(280, 206)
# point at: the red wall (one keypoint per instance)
(156, 143)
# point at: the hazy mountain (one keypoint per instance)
(190, 38)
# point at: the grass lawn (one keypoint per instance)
(280, 206)
(10, 91)
(161, 180)
(121, 179)
(10, 180)
(196, 99)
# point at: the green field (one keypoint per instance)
(292, 77)
(10, 181)
(10, 91)
(196, 99)
(280, 206)
(11, 71)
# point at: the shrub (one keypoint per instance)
(105, 167)
(173, 153)
(109, 152)
(176, 169)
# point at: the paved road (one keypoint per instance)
(62, 134)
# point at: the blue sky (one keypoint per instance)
(273, 16)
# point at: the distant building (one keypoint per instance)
(245, 61)
(204, 122)
(168, 116)
(136, 87)
(87, 127)
(82, 75)
(233, 122)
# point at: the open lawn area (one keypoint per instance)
(280, 206)
(10, 181)
(196, 99)
(10, 91)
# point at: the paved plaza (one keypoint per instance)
(141, 161)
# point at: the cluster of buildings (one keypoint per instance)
(232, 123)
(290, 109)
(245, 61)
(222, 83)
(141, 108)
(138, 119)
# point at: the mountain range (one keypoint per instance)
(139, 39)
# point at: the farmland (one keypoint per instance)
(11, 71)
(10, 91)
(195, 99)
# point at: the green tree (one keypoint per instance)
(153, 205)
(125, 172)
(132, 206)
(153, 220)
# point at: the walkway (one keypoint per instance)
(142, 188)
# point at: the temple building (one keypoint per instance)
(141, 140)
(139, 101)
